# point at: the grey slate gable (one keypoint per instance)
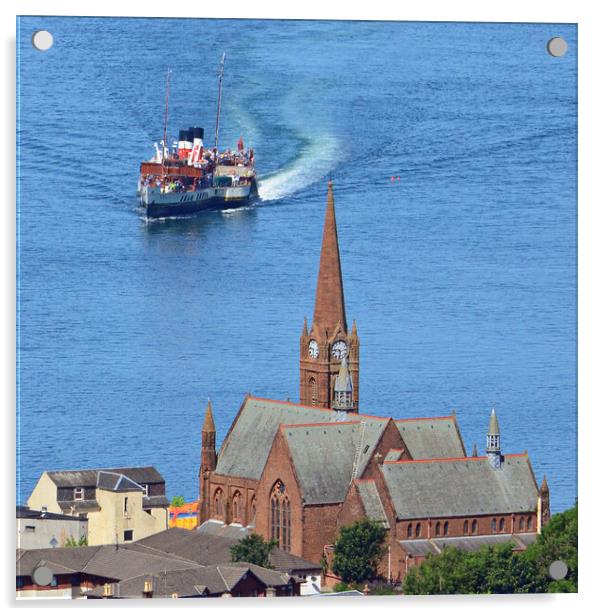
(431, 437)
(247, 446)
(458, 487)
(323, 455)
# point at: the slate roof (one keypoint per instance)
(195, 581)
(208, 547)
(88, 477)
(32, 514)
(422, 547)
(116, 482)
(461, 486)
(331, 446)
(370, 498)
(244, 456)
(431, 437)
(79, 506)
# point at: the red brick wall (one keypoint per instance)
(319, 529)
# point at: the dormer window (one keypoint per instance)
(78, 494)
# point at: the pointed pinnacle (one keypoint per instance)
(544, 485)
(304, 332)
(209, 424)
(475, 453)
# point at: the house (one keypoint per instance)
(141, 569)
(298, 472)
(120, 504)
(43, 529)
(211, 543)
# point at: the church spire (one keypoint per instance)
(209, 424)
(330, 301)
(494, 451)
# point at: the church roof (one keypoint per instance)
(431, 437)
(460, 486)
(370, 498)
(247, 446)
(323, 455)
(245, 449)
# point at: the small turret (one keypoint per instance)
(543, 504)
(494, 452)
(343, 389)
(208, 453)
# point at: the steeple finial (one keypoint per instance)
(209, 424)
(330, 301)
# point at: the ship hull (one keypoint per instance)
(158, 204)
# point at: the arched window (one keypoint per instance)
(286, 525)
(466, 527)
(521, 523)
(410, 529)
(218, 506)
(529, 523)
(446, 529)
(313, 388)
(280, 516)
(494, 525)
(418, 529)
(474, 527)
(253, 510)
(236, 507)
(502, 525)
(438, 528)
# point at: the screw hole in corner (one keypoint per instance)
(557, 47)
(42, 40)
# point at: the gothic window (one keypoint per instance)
(418, 529)
(438, 528)
(410, 529)
(313, 387)
(280, 516)
(466, 527)
(474, 527)
(521, 524)
(446, 528)
(529, 523)
(218, 507)
(494, 525)
(502, 525)
(253, 510)
(236, 507)
(286, 525)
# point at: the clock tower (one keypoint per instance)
(328, 342)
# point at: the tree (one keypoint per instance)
(253, 549)
(71, 542)
(178, 501)
(558, 541)
(358, 550)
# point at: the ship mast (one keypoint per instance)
(219, 98)
(165, 127)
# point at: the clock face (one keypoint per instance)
(339, 349)
(314, 350)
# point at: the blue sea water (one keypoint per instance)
(461, 273)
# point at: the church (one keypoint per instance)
(298, 472)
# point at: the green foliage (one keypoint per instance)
(71, 542)
(498, 569)
(340, 587)
(253, 549)
(178, 501)
(357, 551)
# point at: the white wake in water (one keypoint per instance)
(317, 157)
